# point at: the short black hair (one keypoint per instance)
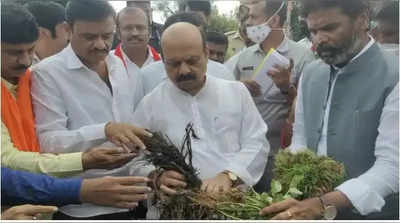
(217, 38)
(271, 6)
(189, 17)
(351, 8)
(47, 14)
(390, 14)
(88, 10)
(131, 9)
(203, 6)
(18, 25)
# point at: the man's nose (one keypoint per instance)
(25, 59)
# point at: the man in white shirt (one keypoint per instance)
(133, 30)
(231, 134)
(83, 97)
(155, 73)
(348, 109)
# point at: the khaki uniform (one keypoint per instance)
(236, 44)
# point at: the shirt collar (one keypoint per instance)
(11, 87)
(283, 48)
(73, 62)
(150, 56)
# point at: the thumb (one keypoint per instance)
(33, 210)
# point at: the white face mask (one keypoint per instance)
(258, 33)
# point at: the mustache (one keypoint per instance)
(186, 77)
(101, 50)
(135, 38)
(326, 48)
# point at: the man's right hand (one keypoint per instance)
(253, 86)
(27, 212)
(126, 135)
(106, 158)
(121, 192)
(171, 180)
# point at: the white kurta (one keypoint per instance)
(230, 129)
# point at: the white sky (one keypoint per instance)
(224, 8)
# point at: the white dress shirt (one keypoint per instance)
(231, 131)
(155, 73)
(72, 103)
(366, 192)
(131, 66)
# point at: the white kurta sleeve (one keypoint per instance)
(250, 161)
(367, 192)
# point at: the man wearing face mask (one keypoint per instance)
(133, 30)
(265, 22)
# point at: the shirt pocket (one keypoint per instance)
(274, 95)
(226, 128)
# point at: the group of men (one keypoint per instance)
(80, 111)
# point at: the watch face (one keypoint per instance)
(330, 212)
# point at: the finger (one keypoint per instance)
(284, 215)
(123, 204)
(135, 190)
(170, 182)
(136, 141)
(167, 190)
(132, 197)
(175, 175)
(125, 148)
(124, 140)
(142, 132)
(35, 209)
(278, 207)
(131, 180)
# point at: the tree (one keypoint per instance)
(222, 23)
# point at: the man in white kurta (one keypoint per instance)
(230, 130)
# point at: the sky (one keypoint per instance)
(224, 8)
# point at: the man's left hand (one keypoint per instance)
(220, 183)
(281, 76)
(308, 209)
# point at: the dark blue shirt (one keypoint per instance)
(20, 187)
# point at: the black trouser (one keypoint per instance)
(136, 214)
(263, 184)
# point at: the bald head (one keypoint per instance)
(185, 56)
(182, 33)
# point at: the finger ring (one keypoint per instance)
(34, 218)
(289, 214)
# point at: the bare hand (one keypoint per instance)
(121, 192)
(126, 135)
(220, 183)
(171, 180)
(253, 86)
(106, 158)
(308, 209)
(281, 76)
(27, 212)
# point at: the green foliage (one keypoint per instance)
(314, 175)
(298, 29)
(222, 23)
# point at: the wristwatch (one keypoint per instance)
(330, 210)
(233, 177)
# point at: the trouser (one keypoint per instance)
(264, 183)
